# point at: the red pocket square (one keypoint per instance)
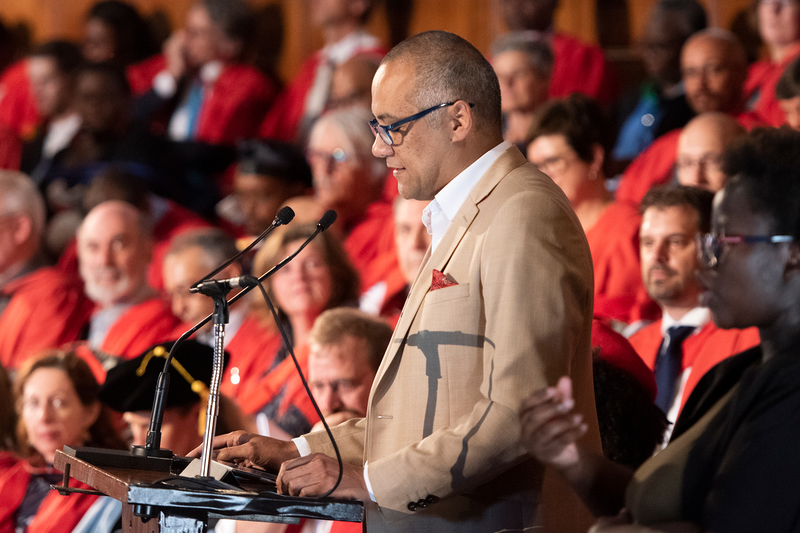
(440, 281)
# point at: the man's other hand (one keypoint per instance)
(315, 474)
(247, 449)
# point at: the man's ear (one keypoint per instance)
(23, 229)
(793, 262)
(462, 120)
(598, 158)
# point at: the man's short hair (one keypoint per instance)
(112, 71)
(537, 51)
(216, 243)
(579, 119)
(332, 326)
(449, 68)
(67, 55)
(234, 17)
(695, 198)
(766, 164)
(276, 159)
(19, 194)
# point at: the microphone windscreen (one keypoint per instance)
(327, 219)
(285, 215)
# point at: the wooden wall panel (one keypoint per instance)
(480, 21)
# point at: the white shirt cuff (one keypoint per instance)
(302, 446)
(369, 487)
(165, 85)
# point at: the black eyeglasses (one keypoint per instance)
(711, 246)
(384, 131)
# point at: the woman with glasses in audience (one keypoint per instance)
(568, 141)
(321, 277)
(733, 462)
(57, 406)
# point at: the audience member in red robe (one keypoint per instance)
(222, 100)
(700, 146)
(306, 97)
(39, 307)
(713, 65)
(411, 242)
(114, 251)
(57, 406)
(350, 180)
(346, 348)
(671, 219)
(523, 66)
(779, 28)
(577, 66)
(320, 277)
(192, 256)
(568, 142)
(787, 91)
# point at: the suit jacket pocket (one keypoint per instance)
(446, 294)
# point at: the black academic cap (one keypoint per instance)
(131, 385)
(272, 158)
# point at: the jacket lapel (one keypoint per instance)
(508, 161)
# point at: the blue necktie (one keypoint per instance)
(669, 364)
(194, 102)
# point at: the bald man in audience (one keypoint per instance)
(700, 148)
(713, 67)
(39, 306)
(351, 82)
(115, 246)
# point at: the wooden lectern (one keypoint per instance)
(155, 499)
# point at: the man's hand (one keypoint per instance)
(549, 429)
(250, 450)
(173, 50)
(315, 474)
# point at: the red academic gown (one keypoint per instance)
(10, 148)
(140, 327)
(284, 117)
(580, 67)
(251, 352)
(56, 513)
(233, 106)
(701, 351)
(759, 88)
(655, 166)
(284, 381)
(17, 107)
(369, 241)
(47, 309)
(614, 243)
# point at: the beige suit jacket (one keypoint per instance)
(442, 426)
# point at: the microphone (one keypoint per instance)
(284, 216)
(152, 446)
(224, 284)
(327, 219)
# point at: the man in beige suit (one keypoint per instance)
(501, 306)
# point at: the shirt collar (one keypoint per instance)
(697, 317)
(211, 71)
(345, 48)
